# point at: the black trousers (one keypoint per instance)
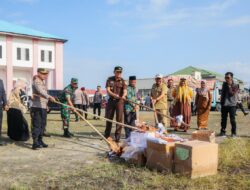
(85, 108)
(97, 106)
(225, 110)
(1, 119)
(78, 106)
(38, 120)
(129, 119)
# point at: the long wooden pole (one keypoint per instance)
(104, 118)
(155, 111)
(93, 127)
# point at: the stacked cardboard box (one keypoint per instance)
(160, 156)
(196, 158)
(204, 135)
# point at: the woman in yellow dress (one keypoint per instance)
(182, 105)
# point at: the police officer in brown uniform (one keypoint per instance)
(117, 91)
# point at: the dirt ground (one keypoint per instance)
(22, 167)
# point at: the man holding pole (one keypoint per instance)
(159, 98)
(130, 108)
(117, 91)
(67, 98)
(39, 108)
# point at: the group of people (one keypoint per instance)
(81, 101)
(167, 100)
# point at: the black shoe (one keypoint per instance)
(76, 120)
(43, 144)
(222, 134)
(246, 113)
(67, 133)
(45, 134)
(36, 145)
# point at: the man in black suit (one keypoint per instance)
(3, 104)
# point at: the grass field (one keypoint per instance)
(81, 163)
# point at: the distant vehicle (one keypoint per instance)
(51, 105)
(27, 102)
(216, 95)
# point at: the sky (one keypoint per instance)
(145, 37)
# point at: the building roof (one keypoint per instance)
(92, 91)
(204, 73)
(14, 29)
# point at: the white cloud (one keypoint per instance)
(245, 20)
(240, 69)
(156, 14)
(168, 20)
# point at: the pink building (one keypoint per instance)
(23, 50)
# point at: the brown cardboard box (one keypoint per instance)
(139, 159)
(134, 155)
(204, 135)
(160, 156)
(196, 158)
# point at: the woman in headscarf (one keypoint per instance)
(203, 101)
(17, 125)
(182, 105)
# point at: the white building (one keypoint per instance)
(23, 50)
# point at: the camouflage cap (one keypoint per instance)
(118, 68)
(42, 70)
(74, 80)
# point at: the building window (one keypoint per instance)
(23, 54)
(42, 56)
(46, 56)
(50, 56)
(1, 54)
(18, 53)
(27, 54)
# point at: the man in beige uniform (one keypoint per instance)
(170, 97)
(159, 98)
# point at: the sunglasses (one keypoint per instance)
(227, 77)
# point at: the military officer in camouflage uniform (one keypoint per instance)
(117, 91)
(67, 98)
(39, 108)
